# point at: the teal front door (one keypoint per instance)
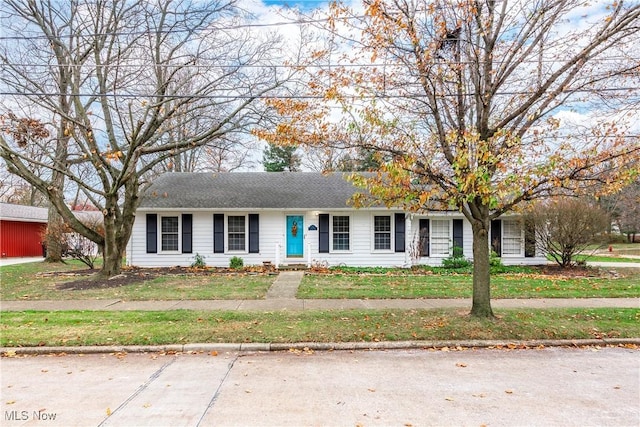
(295, 234)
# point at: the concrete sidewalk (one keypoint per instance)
(291, 304)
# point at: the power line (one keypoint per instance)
(241, 96)
(328, 65)
(172, 31)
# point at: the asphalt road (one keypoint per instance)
(493, 387)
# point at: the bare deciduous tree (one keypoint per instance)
(565, 227)
(125, 86)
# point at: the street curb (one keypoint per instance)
(313, 346)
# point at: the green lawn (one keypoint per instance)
(66, 328)
(32, 282)
(180, 327)
(505, 285)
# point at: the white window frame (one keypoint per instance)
(512, 238)
(331, 234)
(391, 233)
(160, 235)
(432, 236)
(227, 231)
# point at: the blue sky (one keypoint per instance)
(300, 4)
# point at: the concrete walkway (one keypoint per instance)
(286, 285)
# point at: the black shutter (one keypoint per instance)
(424, 237)
(400, 231)
(529, 239)
(218, 233)
(457, 235)
(152, 233)
(187, 233)
(254, 233)
(323, 233)
(496, 236)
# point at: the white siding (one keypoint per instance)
(467, 238)
(272, 241)
(361, 252)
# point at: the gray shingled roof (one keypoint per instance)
(249, 190)
(23, 213)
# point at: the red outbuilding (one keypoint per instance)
(22, 230)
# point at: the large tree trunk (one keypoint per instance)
(481, 269)
(117, 232)
(118, 223)
(112, 256)
(54, 236)
(112, 261)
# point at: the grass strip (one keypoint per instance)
(77, 328)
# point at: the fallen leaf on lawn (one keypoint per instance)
(9, 353)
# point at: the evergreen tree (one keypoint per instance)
(278, 158)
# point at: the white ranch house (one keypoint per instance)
(297, 218)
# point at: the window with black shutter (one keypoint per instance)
(218, 233)
(152, 233)
(254, 233)
(400, 232)
(187, 233)
(323, 233)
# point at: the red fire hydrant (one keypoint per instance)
(610, 248)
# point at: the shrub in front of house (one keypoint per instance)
(236, 263)
(198, 261)
(456, 259)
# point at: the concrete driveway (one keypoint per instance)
(549, 386)
(19, 260)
